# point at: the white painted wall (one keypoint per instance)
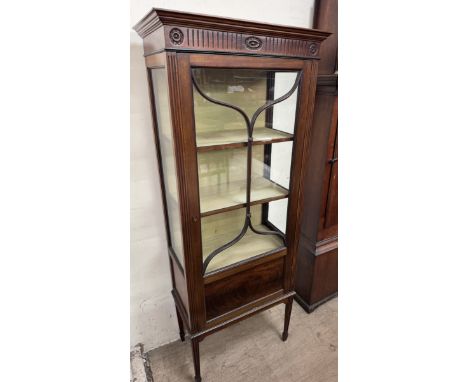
(152, 311)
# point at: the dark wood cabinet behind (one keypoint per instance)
(317, 264)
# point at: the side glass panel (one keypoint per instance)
(166, 146)
(280, 155)
(244, 125)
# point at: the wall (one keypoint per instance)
(152, 311)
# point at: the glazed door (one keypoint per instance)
(248, 127)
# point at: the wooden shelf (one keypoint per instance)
(230, 196)
(222, 139)
(249, 246)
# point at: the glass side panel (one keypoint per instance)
(283, 113)
(278, 172)
(280, 163)
(166, 146)
(276, 215)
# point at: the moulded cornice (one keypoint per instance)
(157, 18)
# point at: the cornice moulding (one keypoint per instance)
(157, 18)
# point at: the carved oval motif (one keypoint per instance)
(253, 43)
(313, 48)
(176, 36)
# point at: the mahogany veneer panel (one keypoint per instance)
(232, 292)
(179, 282)
(326, 274)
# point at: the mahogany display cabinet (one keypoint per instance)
(232, 103)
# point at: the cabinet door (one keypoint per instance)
(329, 210)
(245, 127)
(331, 216)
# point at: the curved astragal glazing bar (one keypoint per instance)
(249, 124)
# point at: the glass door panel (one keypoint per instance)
(247, 90)
(244, 125)
(222, 180)
(219, 229)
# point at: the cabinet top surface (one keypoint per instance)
(158, 18)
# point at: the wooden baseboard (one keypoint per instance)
(310, 308)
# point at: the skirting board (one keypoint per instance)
(140, 366)
(310, 308)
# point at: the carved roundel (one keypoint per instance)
(253, 43)
(176, 36)
(313, 48)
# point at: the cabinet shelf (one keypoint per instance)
(230, 196)
(251, 245)
(222, 139)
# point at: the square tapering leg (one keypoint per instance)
(287, 316)
(196, 359)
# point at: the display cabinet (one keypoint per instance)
(232, 103)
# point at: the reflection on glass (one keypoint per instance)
(161, 100)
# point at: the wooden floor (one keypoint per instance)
(252, 350)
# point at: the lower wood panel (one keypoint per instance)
(242, 288)
(325, 276)
(317, 275)
(304, 269)
(179, 285)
